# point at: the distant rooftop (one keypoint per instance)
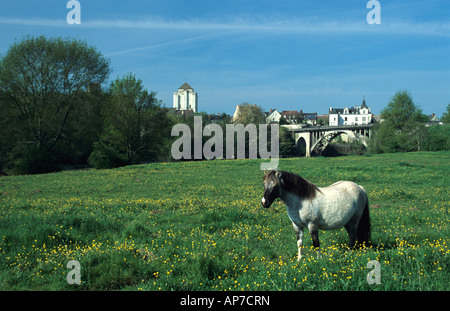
(364, 103)
(185, 86)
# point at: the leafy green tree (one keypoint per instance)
(287, 144)
(438, 138)
(250, 114)
(134, 125)
(446, 116)
(40, 80)
(83, 128)
(403, 128)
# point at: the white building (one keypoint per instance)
(350, 116)
(273, 116)
(185, 98)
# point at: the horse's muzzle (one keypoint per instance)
(265, 203)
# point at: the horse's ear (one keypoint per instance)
(266, 172)
(279, 175)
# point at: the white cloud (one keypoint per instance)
(32, 22)
(286, 26)
(258, 24)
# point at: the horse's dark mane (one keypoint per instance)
(297, 185)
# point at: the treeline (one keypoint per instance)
(58, 110)
(404, 128)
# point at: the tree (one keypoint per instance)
(84, 127)
(287, 144)
(134, 125)
(446, 115)
(403, 128)
(250, 114)
(40, 80)
(247, 116)
(438, 138)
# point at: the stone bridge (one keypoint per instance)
(317, 138)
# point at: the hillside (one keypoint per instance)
(200, 226)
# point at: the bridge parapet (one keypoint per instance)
(297, 128)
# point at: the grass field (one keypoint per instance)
(200, 226)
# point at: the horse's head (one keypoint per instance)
(272, 187)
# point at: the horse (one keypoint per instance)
(342, 204)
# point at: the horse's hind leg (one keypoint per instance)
(352, 231)
(314, 231)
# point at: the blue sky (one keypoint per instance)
(289, 55)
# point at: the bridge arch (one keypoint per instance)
(328, 136)
(316, 139)
(301, 145)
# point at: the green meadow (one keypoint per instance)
(200, 226)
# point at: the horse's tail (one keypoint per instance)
(364, 224)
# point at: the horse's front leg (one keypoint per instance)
(299, 231)
(314, 231)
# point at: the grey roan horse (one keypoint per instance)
(343, 204)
